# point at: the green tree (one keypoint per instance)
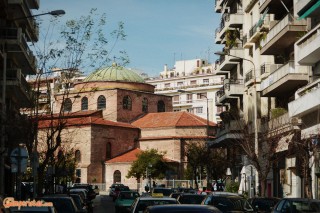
(150, 160)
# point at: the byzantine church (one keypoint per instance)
(112, 115)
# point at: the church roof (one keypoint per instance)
(171, 119)
(126, 157)
(131, 156)
(114, 73)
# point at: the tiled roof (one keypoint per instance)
(131, 156)
(88, 113)
(82, 121)
(126, 157)
(171, 119)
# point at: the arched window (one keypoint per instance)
(101, 104)
(117, 176)
(84, 103)
(108, 151)
(77, 156)
(144, 105)
(126, 102)
(67, 105)
(161, 106)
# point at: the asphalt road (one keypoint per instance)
(103, 204)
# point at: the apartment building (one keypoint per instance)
(17, 61)
(259, 54)
(305, 106)
(193, 85)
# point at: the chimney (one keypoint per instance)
(165, 67)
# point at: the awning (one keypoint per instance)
(283, 143)
(310, 10)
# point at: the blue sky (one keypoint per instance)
(158, 31)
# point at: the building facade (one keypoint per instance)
(17, 61)
(192, 85)
(259, 53)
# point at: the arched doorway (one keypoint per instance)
(117, 176)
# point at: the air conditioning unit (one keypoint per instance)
(295, 121)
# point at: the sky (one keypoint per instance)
(158, 32)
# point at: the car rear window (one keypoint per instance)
(143, 204)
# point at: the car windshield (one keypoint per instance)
(128, 195)
(226, 204)
(191, 199)
(143, 204)
(305, 206)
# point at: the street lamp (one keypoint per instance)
(3, 54)
(255, 103)
(54, 13)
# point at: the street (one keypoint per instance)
(103, 203)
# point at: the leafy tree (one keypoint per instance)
(150, 160)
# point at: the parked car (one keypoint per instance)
(91, 193)
(113, 187)
(181, 208)
(80, 203)
(141, 203)
(228, 203)
(263, 204)
(62, 203)
(117, 191)
(125, 200)
(175, 194)
(295, 205)
(188, 198)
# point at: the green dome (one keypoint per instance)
(114, 73)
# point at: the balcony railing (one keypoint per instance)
(267, 68)
(283, 71)
(249, 76)
(188, 86)
(276, 29)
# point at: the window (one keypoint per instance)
(194, 82)
(126, 102)
(179, 84)
(201, 95)
(167, 85)
(189, 98)
(117, 176)
(176, 99)
(205, 81)
(144, 105)
(108, 151)
(199, 110)
(190, 110)
(101, 104)
(67, 105)
(161, 106)
(77, 156)
(84, 103)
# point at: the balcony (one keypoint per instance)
(285, 79)
(282, 35)
(227, 62)
(232, 90)
(22, 9)
(258, 29)
(18, 49)
(307, 94)
(249, 78)
(217, 36)
(218, 6)
(308, 48)
(228, 133)
(32, 4)
(275, 7)
(246, 43)
(230, 21)
(266, 69)
(18, 87)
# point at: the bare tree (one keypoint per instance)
(82, 45)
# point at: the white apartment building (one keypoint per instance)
(193, 85)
